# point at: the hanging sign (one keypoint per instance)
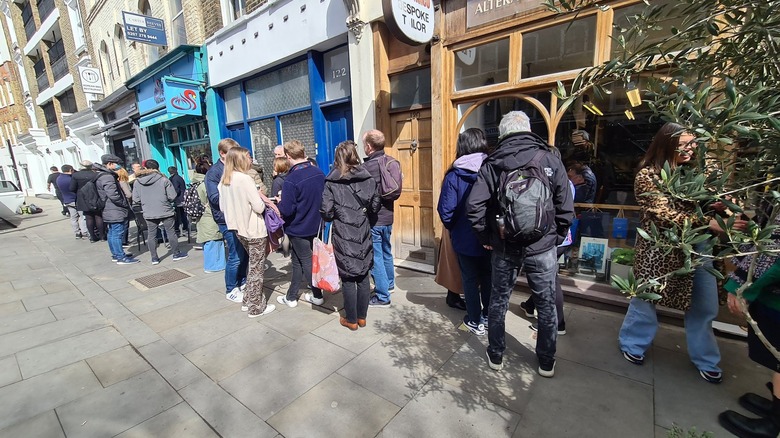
(182, 97)
(90, 80)
(411, 21)
(479, 12)
(148, 30)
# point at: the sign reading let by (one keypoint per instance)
(411, 21)
(144, 29)
(484, 11)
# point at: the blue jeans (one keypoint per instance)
(237, 260)
(383, 271)
(475, 273)
(641, 324)
(116, 232)
(540, 270)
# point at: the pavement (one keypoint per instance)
(86, 352)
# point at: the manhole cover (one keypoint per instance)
(160, 279)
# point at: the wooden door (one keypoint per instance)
(410, 143)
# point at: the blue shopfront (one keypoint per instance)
(171, 96)
(306, 99)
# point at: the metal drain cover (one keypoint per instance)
(160, 279)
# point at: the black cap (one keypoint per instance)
(110, 158)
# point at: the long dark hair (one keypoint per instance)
(471, 141)
(663, 147)
(346, 157)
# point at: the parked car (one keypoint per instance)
(11, 199)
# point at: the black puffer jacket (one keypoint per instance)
(77, 181)
(348, 201)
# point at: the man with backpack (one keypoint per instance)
(88, 201)
(181, 224)
(115, 207)
(77, 220)
(386, 171)
(521, 208)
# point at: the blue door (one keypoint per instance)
(241, 135)
(338, 125)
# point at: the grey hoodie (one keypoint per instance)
(155, 193)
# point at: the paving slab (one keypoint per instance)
(118, 407)
(335, 407)
(58, 286)
(129, 293)
(26, 278)
(76, 308)
(41, 359)
(224, 413)
(117, 365)
(32, 337)
(174, 367)
(20, 321)
(212, 283)
(195, 334)
(20, 294)
(178, 421)
(287, 374)
(439, 413)
(52, 299)
(129, 325)
(183, 312)
(356, 342)
(154, 300)
(26, 399)
(232, 353)
(43, 425)
(295, 322)
(9, 371)
(12, 308)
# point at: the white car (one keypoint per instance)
(11, 198)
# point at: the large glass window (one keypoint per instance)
(299, 126)
(178, 29)
(626, 18)
(482, 65)
(233, 108)
(410, 89)
(559, 48)
(27, 18)
(264, 140)
(68, 102)
(281, 90)
(337, 73)
(488, 115)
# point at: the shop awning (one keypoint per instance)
(158, 117)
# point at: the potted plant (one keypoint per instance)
(621, 262)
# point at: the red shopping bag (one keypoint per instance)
(324, 273)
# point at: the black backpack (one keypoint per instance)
(89, 198)
(526, 201)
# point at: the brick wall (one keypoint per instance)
(252, 5)
(194, 21)
(212, 17)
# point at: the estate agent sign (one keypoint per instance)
(144, 29)
(411, 21)
(484, 11)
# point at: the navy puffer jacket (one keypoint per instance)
(453, 200)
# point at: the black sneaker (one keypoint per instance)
(547, 370)
(495, 362)
(633, 358)
(561, 329)
(374, 302)
(711, 376)
(179, 256)
(79, 236)
(529, 311)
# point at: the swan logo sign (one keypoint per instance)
(182, 98)
(411, 21)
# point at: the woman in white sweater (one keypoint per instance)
(243, 207)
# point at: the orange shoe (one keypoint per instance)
(361, 322)
(350, 325)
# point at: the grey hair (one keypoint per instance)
(514, 121)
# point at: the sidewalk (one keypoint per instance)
(84, 352)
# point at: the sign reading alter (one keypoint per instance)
(147, 30)
(479, 12)
(411, 21)
(90, 80)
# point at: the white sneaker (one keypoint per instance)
(283, 300)
(268, 309)
(310, 298)
(244, 308)
(243, 287)
(235, 296)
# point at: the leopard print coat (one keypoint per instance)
(664, 211)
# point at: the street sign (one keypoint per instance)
(147, 30)
(90, 80)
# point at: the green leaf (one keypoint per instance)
(644, 234)
(649, 296)
(715, 273)
(731, 93)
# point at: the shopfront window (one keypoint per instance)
(410, 89)
(278, 91)
(195, 153)
(482, 65)
(559, 48)
(488, 115)
(626, 18)
(233, 109)
(299, 127)
(131, 152)
(336, 66)
(264, 140)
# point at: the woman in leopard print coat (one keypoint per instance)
(696, 294)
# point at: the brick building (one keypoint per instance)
(14, 120)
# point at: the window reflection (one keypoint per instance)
(482, 65)
(488, 115)
(566, 46)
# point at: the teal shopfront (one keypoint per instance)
(172, 102)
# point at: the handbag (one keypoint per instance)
(324, 272)
(447, 269)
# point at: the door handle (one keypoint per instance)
(414, 146)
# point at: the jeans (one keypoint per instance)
(77, 221)
(301, 266)
(530, 306)
(237, 261)
(641, 324)
(151, 241)
(540, 270)
(357, 291)
(383, 271)
(115, 232)
(475, 272)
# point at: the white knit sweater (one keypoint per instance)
(243, 207)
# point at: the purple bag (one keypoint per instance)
(390, 178)
(275, 226)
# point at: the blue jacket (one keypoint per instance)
(302, 199)
(213, 176)
(63, 183)
(180, 187)
(455, 191)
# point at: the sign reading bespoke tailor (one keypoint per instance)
(148, 30)
(90, 80)
(484, 11)
(182, 97)
(411, 21)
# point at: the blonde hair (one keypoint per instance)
(281, 165)
(295, 150)
(236, 160)
(123, 175)
(226, 144)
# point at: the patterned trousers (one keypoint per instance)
(254, 298)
